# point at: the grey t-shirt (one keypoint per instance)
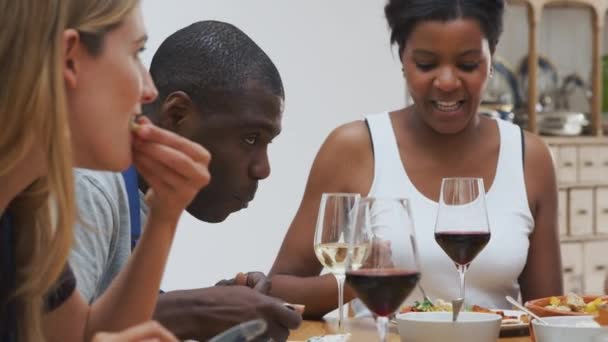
(102, 237)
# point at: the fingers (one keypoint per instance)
(102, 337)
(284, 316)
(262, 285)
(158, 176)
(176, 161)
(149, 331)
(299, 308)
(150, 133)
(241, 279)
(254, 280)
(225, 282)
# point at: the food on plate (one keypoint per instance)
(441, 305)
(506, 319)
(428, 306)
(575, 303)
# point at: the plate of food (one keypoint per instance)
(568, 305)
(511, 319)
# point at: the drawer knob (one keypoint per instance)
(581, 212)
(568, 164)
(588, 163)
(600, 267)
(604, 210)
(568, 270)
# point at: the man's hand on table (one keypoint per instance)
(202, 313)
(255, 280)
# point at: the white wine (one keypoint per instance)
(333, 255)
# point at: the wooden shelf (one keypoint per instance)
(577, 140)
(583, 185)
(584, 238)
(535, 8)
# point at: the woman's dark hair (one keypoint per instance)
(403, 15)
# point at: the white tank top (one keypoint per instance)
(494, 273)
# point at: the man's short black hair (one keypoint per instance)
(211, 57)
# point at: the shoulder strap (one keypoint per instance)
(523, 147)
(130, 177)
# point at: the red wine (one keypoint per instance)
(382, 290)
(462, 246)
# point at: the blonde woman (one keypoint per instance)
(90, 70)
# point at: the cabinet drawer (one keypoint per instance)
(603, 163)
(580, 216)
(567, 164)
(601, 210)
(572, 266)
(562, 212)
(589, 165)
(595, 264)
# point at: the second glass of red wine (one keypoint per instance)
(389, 269)
(462, 229)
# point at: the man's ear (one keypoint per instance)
(175, 110)
(71, 40)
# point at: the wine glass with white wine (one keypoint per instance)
(337, 214)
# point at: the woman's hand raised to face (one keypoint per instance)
(174, 167)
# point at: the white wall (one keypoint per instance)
(336, 64)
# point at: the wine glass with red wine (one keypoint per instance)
(389, 269)
(462, 229)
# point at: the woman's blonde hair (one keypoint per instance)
(94, 18)
(33, 113)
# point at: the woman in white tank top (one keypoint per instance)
(446, 48)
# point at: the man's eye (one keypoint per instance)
(250, 140)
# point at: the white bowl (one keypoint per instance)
(438, 326)
(568, 329)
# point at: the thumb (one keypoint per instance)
(263, 286)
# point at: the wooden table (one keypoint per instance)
(361, 329)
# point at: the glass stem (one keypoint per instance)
(382, 325)
(462, 269)
(340, 279)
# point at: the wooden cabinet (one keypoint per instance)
(534, 10)
(581, 162)
(582, 178)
